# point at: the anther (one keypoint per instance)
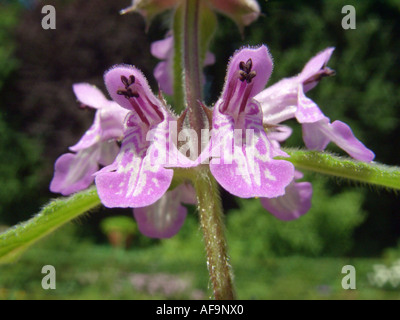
(250, 76)
(242, 75)
(328, 72)
(127, 82)
(245, 73)
(324, 72)
(246, 67)
(127, 92)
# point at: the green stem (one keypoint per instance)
(178, 85)
(191, 60)
(188, 17)
(194, 26)
(325, 163)
(16, 240)
(211, 219)
(191, 52)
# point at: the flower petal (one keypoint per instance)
(163, 75)
(312, 136)
(245, 166)
(108, 120)
(74, 172)
(307, 110)
(343, 136)
(162, 49)
(279, 101)
(91, 136)
(163, 219)
(315, 67)
(209, 59)
(134, 179)
(279, 133)
(108, 152)
(112, 119)
(89, 95)
(187, 193)
(317, 135)
(146, 102)
(293, 204)
(261, 64)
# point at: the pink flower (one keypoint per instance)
(74, 171)
(252, 171)
(286, 99)
(141, 173)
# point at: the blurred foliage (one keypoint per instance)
(392, 254)
(122, 224)
(325, 230)
(87, 271)
(120, 230)
(8, 20)
(19, 164)
(19, 155)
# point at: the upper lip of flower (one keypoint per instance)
(136, 96)
(128, 87)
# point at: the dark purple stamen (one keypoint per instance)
(245, 73)
(324, 72)
(127, 92)
(246, 67)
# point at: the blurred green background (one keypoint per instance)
(303, 259)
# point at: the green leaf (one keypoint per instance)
(58, 212)
(326, 163)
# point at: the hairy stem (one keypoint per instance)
(325, 163)
(58, 212)
(178, 85)
(211, 219)
(191, 60)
